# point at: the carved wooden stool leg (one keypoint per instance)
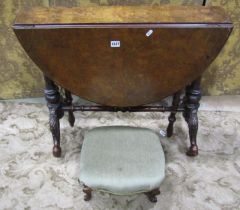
(152, 195)
(54, 104)
(88, 193)
(172, 117)
(68, 101)
(193, 96)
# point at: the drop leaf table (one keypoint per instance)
(123, 57)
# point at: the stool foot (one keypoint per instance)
(152, 195)
(88, 193)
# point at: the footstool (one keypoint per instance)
(122, 160)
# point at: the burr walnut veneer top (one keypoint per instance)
(123, 55)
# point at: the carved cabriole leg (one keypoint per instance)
(172, 117)
(55, 113)
(88, 193)
(68, 101)
(193, 96)
(152, 195)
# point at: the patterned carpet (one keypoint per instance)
(32, 179)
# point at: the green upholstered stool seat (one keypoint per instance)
(122, 160)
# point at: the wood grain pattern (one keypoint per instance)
(143, 70)
(122, 14)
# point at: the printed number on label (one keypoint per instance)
(115, 44)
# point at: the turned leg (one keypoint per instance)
(55, 113)
(193, 96)
(172, 116)
(152, 195)
(68, 101)
(88, 193)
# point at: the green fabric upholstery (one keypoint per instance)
(122, 160)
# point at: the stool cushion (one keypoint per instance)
(122, 160)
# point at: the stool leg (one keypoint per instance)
(55, 113)
(152, 195)
(88, 193)
(193, 96)
(68, 101)
(172, 117)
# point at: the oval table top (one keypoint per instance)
(123, 55)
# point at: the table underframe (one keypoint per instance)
(188, 105)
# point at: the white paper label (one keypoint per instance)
(115, 44)
(162, 133)
(149, 33)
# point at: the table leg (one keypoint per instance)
(68, 101)
(193, 96)
(172, 117)
(53, 98)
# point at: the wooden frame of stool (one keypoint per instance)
(151, 195)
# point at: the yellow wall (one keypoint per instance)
(223, 76)
(21, 78)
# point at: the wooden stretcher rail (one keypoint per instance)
(99, 108)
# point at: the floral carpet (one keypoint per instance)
(31, 178)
